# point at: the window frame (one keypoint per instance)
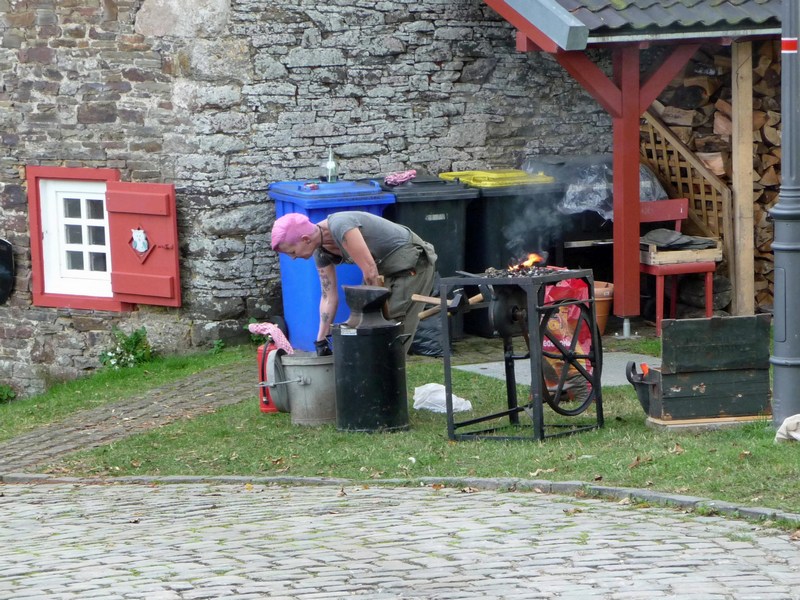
(35, 175)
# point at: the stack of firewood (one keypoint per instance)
(697, 106)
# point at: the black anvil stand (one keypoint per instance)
(529, 317)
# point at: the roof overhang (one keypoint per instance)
(549, 26)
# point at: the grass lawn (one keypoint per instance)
(741, 465)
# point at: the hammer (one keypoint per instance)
(458, 302)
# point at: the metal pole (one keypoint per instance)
(785, 358)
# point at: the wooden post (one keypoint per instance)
(626, 184)
(741, 265)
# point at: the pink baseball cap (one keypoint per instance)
(290, 228)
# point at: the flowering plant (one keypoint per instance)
(128, 351)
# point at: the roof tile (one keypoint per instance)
(615, 16)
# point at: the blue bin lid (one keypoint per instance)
(322, 194)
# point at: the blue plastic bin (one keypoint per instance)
(299, 278)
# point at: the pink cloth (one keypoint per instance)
(274, 332)
(402, 177)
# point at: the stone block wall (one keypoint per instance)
(222, 97)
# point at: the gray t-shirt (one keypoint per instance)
(381, 236)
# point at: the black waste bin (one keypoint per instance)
(435, 210)
(516, 214)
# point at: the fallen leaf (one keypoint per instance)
(538, 472)
(795, 537)
(572, 511)
(624, 502)
(437, 486)
(468, 490)
(248, 486)
(640, 461)
(745, 454)
(342, 492)
(677, 449)
(598, 478)
(538, 490)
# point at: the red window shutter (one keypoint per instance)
(143, 228)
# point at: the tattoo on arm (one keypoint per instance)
(325, 317)
(325, 283)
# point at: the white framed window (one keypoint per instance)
(75, 240)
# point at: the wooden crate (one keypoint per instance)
(710, 368)
(649, 254)
(706, 394)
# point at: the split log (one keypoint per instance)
(714, 162)
(771, 135)
(770, 177)
(722, 124)
(709, 85)
(678, 116)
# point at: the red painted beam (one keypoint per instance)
(626, 185)
(593, 80)
(526, 44)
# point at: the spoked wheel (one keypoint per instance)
(573, 366)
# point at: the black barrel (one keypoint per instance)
(369, 366)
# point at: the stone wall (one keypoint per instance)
(222, 97)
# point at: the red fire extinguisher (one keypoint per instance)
(265, 401)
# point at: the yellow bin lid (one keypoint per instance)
(497, 178)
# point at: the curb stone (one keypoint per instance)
(563, 488)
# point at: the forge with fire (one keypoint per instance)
(552, 310)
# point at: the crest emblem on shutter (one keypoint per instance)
(139, 240)
(140, 244)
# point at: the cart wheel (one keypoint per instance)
(575, 369)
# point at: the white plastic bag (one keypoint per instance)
(431, 396)
(789, 431)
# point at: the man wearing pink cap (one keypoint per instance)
(388, 254)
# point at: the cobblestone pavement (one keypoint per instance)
(253, 541)
(242, 538)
